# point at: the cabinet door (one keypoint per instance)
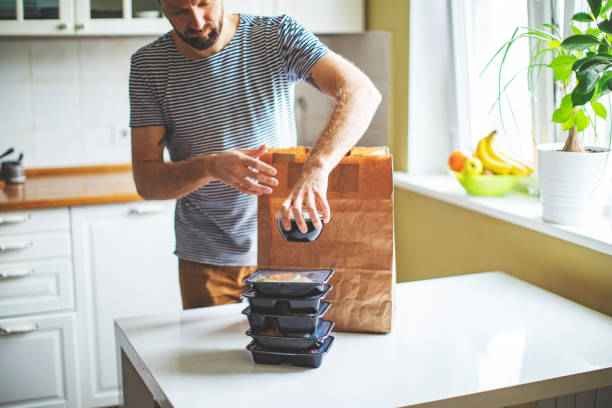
(325, 16)
(124, 266)
(37, 368)
(120, 17)
(36, 17)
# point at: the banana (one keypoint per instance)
(491, 163)
(518, 168)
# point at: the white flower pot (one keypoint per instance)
(571, 184)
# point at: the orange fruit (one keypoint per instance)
(456, 160)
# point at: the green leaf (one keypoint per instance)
(603, 49)
(606, 8)
(566, 102)
(576, 30)
(599, 109)
(569, 123)
(595, 6)
(562, 66)
(587, 80)
(605, 26)
(582, 17)
(553, 44)
(579, 42)
(603, 85)
(561, 115)
(582, 120)
(594, 31)
(580, 97)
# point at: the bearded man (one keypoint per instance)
(216, 90)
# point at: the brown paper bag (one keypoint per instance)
(357, 243)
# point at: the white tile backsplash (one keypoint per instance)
(54, 105)
(53, 60)
(64, 100)
(15, 108)
(15, 66)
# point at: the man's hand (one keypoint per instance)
(243, 170)
(309, 191)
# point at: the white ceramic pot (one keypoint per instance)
(571, 184)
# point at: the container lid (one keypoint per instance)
(324, 329)
(252, 294)
(310, 276)
(322, 349)
(323, 308)
(305, 213)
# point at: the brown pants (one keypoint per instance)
(210, 285)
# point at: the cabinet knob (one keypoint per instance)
(148, 209)
(23, 329)
(14, 219)
(16, 273)
(79, 26)
(14, 246)
(62, 26)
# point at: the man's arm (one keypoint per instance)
(356, 102)
(159, 180)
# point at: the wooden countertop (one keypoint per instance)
(60, 187)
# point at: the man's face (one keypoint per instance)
(197, 22)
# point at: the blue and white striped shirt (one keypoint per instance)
(240, 97)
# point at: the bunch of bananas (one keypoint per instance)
(498, 162)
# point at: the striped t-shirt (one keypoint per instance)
(240, 97)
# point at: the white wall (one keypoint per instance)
(431, 104)
(65, 102)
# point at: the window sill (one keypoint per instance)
(515, 207)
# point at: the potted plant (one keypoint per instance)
(571, 174)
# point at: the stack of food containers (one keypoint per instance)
(285, 312)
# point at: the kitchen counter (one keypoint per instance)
(478, 340)
(47, 188)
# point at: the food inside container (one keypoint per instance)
(289, 282)
(307, 358)
(285, 304)
(294, 234)
(296, 325)
(274, 339)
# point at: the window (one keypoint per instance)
(522, 118)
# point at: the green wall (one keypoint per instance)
(393, 16)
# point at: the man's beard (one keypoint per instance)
(201, 43)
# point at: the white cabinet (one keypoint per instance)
(138, 17)
(81, 17)
(37, 361)
(124, 266)
(37, 352)
(319, 16)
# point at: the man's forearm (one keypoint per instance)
(156, 180)
(350, 118)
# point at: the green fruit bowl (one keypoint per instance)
(486, 184)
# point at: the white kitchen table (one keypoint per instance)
(478, 340)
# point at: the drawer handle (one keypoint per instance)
(23, 329)
(15, 246)
(14, 219)
(17, 273)
(142, 209)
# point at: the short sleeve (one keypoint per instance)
(299, 48)
(144, 108)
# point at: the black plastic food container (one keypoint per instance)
(262, 323)
(285, 305)
(294, 234)
(308, 358)
(289, 282)
(278, 341)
